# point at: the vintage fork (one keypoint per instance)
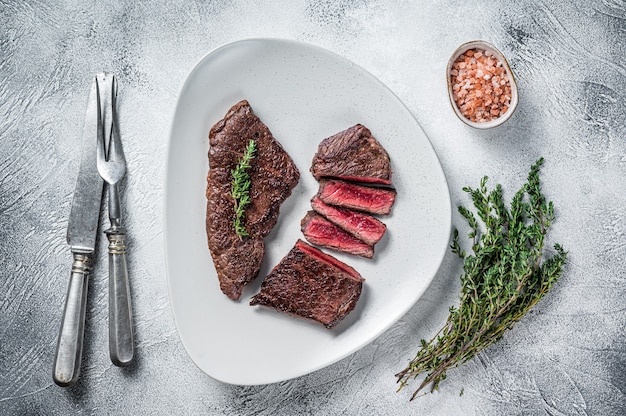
(112, 168)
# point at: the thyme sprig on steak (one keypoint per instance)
(240, 189)
(501, 281)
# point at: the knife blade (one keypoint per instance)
(82, 235)
(85, 212)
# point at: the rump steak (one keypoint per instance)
(311, 284)
(363, 226)
(374, 200)
(352, 155)
(318, 230)
(273, 175)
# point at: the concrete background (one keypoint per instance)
(567, 357)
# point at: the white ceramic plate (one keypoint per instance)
(303, 94)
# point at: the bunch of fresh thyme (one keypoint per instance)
(500, 282)
(240, 188)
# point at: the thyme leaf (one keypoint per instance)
(240, 189)
(504, 277)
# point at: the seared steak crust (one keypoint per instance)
(311, 284)
(273, 175)
(352, 155)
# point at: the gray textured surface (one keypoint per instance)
(568, 357)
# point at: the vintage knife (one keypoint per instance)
(82, 234)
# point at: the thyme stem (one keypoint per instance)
(240, 189)
(505, 277)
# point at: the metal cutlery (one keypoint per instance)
(82, 234)
(112, 168)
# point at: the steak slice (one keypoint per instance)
(353, 155)
(310, 284)
(374, 200)
(273, 175)
(318, 230)
(363, 226)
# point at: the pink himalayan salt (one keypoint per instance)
(481, 87)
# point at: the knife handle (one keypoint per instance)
(121, 348)
(70, 343)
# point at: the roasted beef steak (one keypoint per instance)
(374, 200)
(363, 226)
(319, 231)
(311, 284)
(273, 175)
(353, 155)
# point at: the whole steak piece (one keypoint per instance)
(352, 155)
(310, 284)
(273, 175)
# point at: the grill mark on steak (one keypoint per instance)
(273, 175)
(319, 231)
(310, 284)
(362, 226)
(352, 155)
(374, 200)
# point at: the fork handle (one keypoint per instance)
(69, 350)
(121, 344)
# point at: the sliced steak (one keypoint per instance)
(311, 284)
(318, 230)
(374, 200)
(353, 155)
(363, 226)
(273, 175)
